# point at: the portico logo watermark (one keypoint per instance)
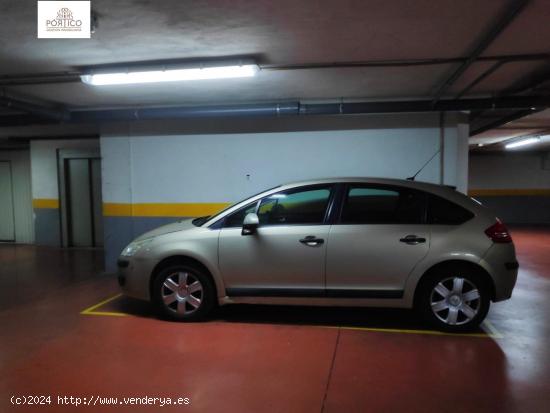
(64, 22)
(63, 19)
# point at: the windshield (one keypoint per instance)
(201, 220)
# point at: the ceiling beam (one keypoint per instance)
(523, 127)
(528, 83)
(504, 120)
(10, 144)
(509, 15)
(23, 120)
(18, 103)
(480, 78)
(407, 62)
(525, 84)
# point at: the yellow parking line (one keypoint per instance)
(91, 310)
(491, 331)
(105, 313)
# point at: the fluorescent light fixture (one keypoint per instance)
(479, 145)
(170, 75)
(523, 142)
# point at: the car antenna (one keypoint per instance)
(411, 178)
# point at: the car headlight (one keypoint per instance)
(135, 246)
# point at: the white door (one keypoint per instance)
(7, 227)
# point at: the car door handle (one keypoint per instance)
(412, 240)
(312, 241)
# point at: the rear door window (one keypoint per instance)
(379, 204)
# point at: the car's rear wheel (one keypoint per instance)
(182, 292)
(455, 302)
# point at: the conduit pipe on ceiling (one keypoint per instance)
(178, 112)
(294, 108)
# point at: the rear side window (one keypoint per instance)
(444, 212)
(383, 205)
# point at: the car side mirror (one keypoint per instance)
(250, 224)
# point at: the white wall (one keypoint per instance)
(509, 170)
(44, 164)
(214, 167)
(22, 200)
(224, 161)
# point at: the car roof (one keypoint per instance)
(425, 186)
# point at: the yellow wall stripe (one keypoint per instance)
(117, 210)
(509, 192)
(162, 210)
(45, 203)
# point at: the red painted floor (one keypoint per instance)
(268, 359)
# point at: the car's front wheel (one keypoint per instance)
(182, 292)
(454, 302)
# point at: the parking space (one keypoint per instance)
(300, 359)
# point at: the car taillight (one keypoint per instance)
(498, 232)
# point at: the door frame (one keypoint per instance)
(291, 291)
(8, 161)
(63, 155)
(372, 293)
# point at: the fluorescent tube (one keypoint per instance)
(522, 142)
(171, 75)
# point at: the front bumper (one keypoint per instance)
(133, 276)
(121, 264)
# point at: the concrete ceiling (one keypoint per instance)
(285, 32)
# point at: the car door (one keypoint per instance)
(378, 239)
(286, 254)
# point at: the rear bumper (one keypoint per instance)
(511, 265)
(501, 264)
(508, 278)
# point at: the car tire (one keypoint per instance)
(183, 293)
(454, 301)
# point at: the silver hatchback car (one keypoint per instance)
(336, 242)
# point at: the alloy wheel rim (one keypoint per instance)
(455, 300)
(182, 293)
